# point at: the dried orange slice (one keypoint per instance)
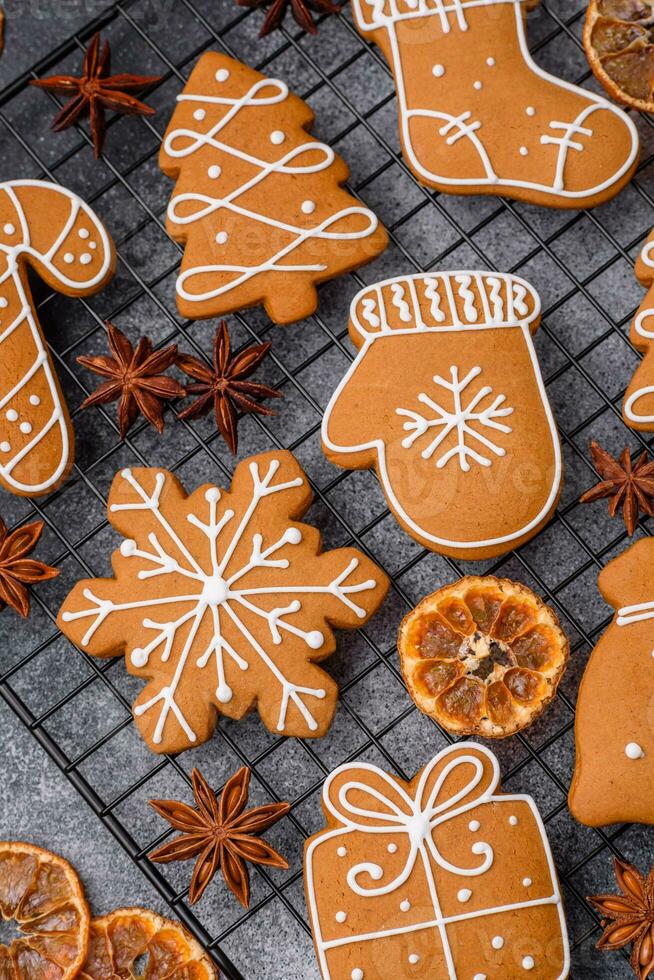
(483, 656)
(43, 895)
(138, 943)
(619, 43)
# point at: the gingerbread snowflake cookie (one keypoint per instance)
(638, 405)
(440, 877)
(549, 143)
(222, 600)
(614, 770)
(258, 204)
(446, 400)
(52, 231)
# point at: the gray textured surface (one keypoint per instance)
(581, 266)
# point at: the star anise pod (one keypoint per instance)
(629, 917)
(623, 483)
(224, 385)
(96, 90)
(301, 10)
(222, 835)
(135, 377)
(16, 569)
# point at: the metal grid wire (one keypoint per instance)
(78, 708)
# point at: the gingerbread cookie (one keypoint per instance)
(638, 405)
(222, 600)
(446, 400)
(439, 877)
(614, 724)
(258, 204)
(49, 229)
(478, 116)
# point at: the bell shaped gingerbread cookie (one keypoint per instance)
(614, 726)
(446, 400)
(638, 405)
(478, 116)
(52, 231)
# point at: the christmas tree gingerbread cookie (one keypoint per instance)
(446, 400)
(258, 204)
(52, 231)
(222, 600)
(638, 405)
(478, 116)
(442, 877)
(614, 724)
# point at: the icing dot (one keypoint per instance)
(5, 447)
(127, 547)
(139, 657)
(634, 751)
(414, 958)
(293, 535)
(474, 825)
(224, 693)
(497, 942)
(199, 114)
(405, 905)
(490, 62)
(438, 71)
(11, 414)
(69, 257)
(530, 110)
(85, 258)
(5, 302)
(341, 851)
(479, 976)
(528, 963)
(464, 895)
(9, 229)
(214, 171)
(479, 848)
(341, 916)
(93, 245)
(308, 207)
(222, 75)
(513, 821)
(212, 495)
(25, 428)
(523, 151)
(477, 85)
(315, 640)
(357, 974)
(35, 400)
(83, 233)
(277, 137)
(392, 848)
(526, 882)
(221, 237)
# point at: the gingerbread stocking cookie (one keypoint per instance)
(258, 204)
(54, 232)
(638, 405)
(221, 600)
(446, 400)
(614, 725)
(478, 116)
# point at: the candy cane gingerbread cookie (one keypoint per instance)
(258, 203)
(51, 230)
(478, 116)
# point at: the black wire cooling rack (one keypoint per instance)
(78, 708)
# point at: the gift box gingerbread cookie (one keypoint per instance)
(446, 400)
(439, 877)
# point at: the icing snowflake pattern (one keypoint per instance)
(458, 419)
(230, 583)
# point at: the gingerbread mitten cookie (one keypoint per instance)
(548, 142)
(222, 600)
(442, 877)
(638, 405)
(51, 230)
(446, 400)
(614, 725)
(258, 204)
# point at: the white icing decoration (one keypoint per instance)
(523, 151)
(220, 596)
(469, 309)
(357, 974)
(635, 614)
(474, 826)
(477, 85)
(399, 301)
(308, 207)
(497, 942)
(525, 315)
(221, 237)
(222, 75)
(25, 428)
(341, 916)
(527, 882)
(83, 233)
(530, 110)
(642, 331)
(182, 142)
(11, 415)
(369, 314)
(457, 419)
(341, 851)
(85, 258)
(432, 294)
(417, 818)
(199, 114)
(405, 905)
(513, 821)
(69, 258)
(634, 751)
(464, 895)
(496, 299)
(480, 976)
(5, 447)
(528, 963)
(9, 229)
(35, 400)
(414, 958)
(374, 15)
(490, 62)
(24, 316)
(392, 848)
(438, 71)
(214, 171)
